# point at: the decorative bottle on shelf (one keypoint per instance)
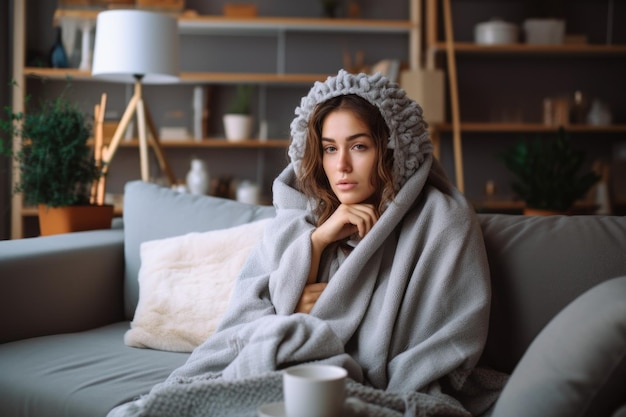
(599, 113)
(198, 179)
(58, 57)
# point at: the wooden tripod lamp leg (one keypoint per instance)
(98, 116)
(107, 156)
(156, 147)
(143, 141)
(98, 188)
(454, 98)
(144, 120)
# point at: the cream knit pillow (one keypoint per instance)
(185, 283)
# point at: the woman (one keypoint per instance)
(349, 168)
(373, 262)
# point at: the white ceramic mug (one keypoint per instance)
(313, 390)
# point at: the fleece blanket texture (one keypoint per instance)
(406, 313)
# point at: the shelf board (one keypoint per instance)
(58, 73)
(213, 143)
(527, 127)
(28, 211)
(496, 205)
(188, 77)
(190, 23)
(203, 24)
(521, 48)
(222, 143)
(256, 78)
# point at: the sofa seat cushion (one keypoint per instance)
(78, 374)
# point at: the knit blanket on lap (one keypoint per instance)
(198, 397)
(406, 313)
(299, 337)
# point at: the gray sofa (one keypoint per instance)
(66, 302)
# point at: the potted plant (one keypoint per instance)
(56, 165)
(547, 173)
(237, 120)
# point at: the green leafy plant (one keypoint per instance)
(547, 172)
(56, 165)
(243, 100)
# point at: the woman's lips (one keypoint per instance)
(346, 185)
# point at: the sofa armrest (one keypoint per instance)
(61, 283)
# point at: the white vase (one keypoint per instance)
(198, 179)
(238, 127)
(599, 114)
(248, 192)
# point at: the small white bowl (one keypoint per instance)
(544, 31)
(496, 32)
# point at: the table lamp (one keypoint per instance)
(140, 47)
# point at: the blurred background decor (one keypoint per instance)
(549, 173)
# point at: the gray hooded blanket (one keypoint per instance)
(406, 312)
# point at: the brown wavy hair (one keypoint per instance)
(312, 179)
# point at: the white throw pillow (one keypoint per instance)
(185, 283)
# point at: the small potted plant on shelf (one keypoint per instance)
(55, 164)
(237, 119)
(547, 173)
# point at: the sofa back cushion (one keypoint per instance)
(154, 212)
(539, 264)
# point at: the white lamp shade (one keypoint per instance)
(132, 43)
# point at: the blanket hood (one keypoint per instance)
(408, 138)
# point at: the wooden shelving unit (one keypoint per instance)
(193, 24)
(450, 48)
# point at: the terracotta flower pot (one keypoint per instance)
(57, 220)
(528, 211)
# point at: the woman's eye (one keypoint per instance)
(360, 147)
(330, 149)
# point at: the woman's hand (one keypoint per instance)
(344, 222)
(309, 296)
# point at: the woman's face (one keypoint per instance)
(349, 156)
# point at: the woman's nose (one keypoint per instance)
(343, 162)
